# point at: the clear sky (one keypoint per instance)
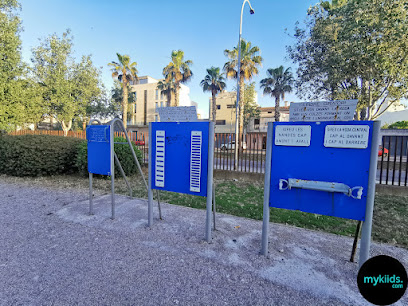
(149, 30)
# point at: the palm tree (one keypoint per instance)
(214, 82)
(178, 71)
(278, 82)
(166, 88)
(250, 61)
(124, 71)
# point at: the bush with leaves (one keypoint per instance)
(122, 151)
(36, 155)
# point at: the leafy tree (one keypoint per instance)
(250, 61)
(178, 71)
(167, 88)
(68, 88)
(251, 108)
(355, 49)
(278, 82)
(398, 125)
(16, 96)
(125, 72)
(213, 82)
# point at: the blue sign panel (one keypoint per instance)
(180, 157)
(321, 167)
(99, 149)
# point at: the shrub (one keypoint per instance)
(35, 155)
(122, 151)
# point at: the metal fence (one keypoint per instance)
(392, 168)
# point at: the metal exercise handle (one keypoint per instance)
(321, 186)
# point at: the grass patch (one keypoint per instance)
(245, 199)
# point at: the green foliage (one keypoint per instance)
(122, 151)
(68, 88)
(397, 125)
(125, 72)
(355, 49)
(178, 71)
(37, 155)
(251, 109)
(213, 82)
(278, 82)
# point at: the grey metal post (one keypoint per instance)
(90, 194)
(131, 147)
(123, 174)
(91, 177)
(365, 241)
(209, 181)
(214, 207)
(112, 170)
(149, 189)
(158, 204)
(267, 189)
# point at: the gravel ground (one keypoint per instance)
(53, 253)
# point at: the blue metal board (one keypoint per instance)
(99, 149)
(178, 156)
(319, 163)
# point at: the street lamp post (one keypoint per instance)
(238, 110)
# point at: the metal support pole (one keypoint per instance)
(123, 173)
(112, 171)
(367, 224)
(158, 203)
(355, 242)
(149, 189)
(267, 186)
(209, 181)
(214, 207)
(90, 194)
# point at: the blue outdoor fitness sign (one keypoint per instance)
(99, 149)
(321, 167)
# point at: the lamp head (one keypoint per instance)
(251, 11)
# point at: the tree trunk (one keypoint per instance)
(125, 103)
(169, 98)
(65, 127)
(176, 103)
(277, 111)
(214, 107)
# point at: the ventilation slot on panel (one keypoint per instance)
(160, 150)
(195, 164)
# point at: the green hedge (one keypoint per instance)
(36, 155)
(122, 151)
(40, 155)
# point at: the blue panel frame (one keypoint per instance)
(99, 149)
(320, 163)
(177, 156)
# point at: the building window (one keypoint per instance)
(156, 118)
(256, 121)
(231, 106)
(161, 95)
(135, 95)
(161, 104)
(157, 94)
(218, 106)
(157, 105)
(220, 122)
(135, 107)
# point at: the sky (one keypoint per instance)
(148, 31)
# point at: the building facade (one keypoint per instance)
(148, 98)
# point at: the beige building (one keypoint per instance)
(148, 99)
(225, 116)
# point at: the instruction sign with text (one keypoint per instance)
(337, 110)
